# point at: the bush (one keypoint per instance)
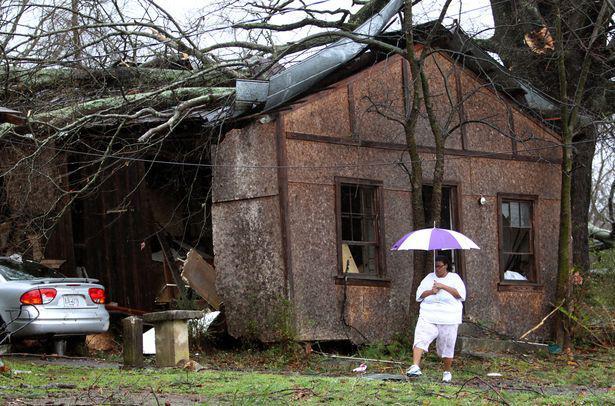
(596, 302)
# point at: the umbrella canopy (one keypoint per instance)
(434, 239)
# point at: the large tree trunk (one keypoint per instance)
(420, 92)
(516, 19)
(583, 154)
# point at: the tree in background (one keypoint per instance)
(565, 49)
(602, 212)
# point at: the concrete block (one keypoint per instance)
(492, 347)
(171, 343)
(133, 341)
(470, 330)
(171, 335)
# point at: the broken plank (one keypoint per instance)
(202, 278)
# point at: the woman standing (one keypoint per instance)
(441, 294)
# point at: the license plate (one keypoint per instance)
(70, 301)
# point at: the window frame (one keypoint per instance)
(380, 276)
(535, 281)
(458, 258)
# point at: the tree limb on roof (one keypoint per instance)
(52, 77)
(180, 111)
(111, 104)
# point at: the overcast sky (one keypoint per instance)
(474, 15)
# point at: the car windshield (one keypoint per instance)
(26, 270)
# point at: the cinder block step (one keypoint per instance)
(470, 330)
(487, 347)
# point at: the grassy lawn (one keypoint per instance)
(286, 374)
(283, 375)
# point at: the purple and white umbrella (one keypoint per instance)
(434, 239)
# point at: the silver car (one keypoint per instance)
(36, 300)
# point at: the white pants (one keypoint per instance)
(444, 334)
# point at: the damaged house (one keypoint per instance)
(112, 217)
(296, 190)
(309, 197)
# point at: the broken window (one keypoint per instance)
(516, 240)
(359, 222)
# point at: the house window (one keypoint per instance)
(448, 219)
(517, 240)
(359, 228)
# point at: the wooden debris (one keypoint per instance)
(202, 278)
(539, 324)
(169, 260)
(114, 308)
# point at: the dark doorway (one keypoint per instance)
(448, 219)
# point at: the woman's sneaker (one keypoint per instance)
(414, 370)
(447, 376)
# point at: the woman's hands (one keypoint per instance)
(437, 286)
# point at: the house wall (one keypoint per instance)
(248, 243)
(377, 312)
(342, 131)
(509, 310)
(113, 230)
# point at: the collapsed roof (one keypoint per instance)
(335, 61)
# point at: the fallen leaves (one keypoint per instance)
(192, 366)
(100, 342)
(302, 393)
(570, 357)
